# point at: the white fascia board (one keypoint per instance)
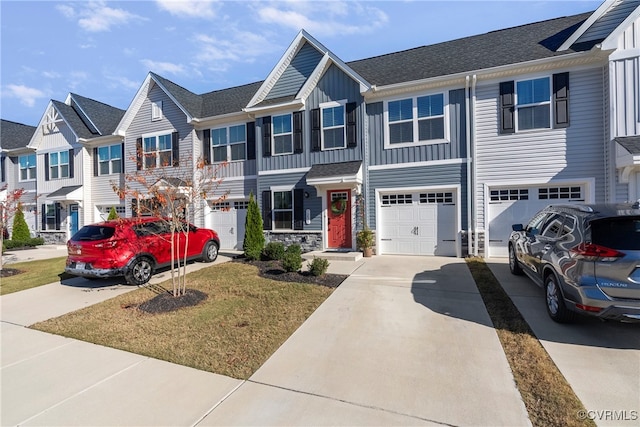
(206, 122)
(586, 25)
(295, 104)
(133, 108)
(347, 179)
(611, 42)
(278, 69)
(101, 140)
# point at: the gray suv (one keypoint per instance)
(586, 257)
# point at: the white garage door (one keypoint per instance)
(421, 223)
(516, 205)
(228, 219)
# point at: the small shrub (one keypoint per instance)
(292, 260)
(20, 230)
(253, 235)
(318, 266)
(274, 251)
(29, 243)
(113, 214)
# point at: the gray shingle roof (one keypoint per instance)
(75, 122)
(189, 100)
(497, 48)
(230, 100)
(105, 117)
(630, 143)
(334, 169)
(15, 135)
(63, 191)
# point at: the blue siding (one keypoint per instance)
(296, 73)
(455, 148)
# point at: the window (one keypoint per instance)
(50, 217)
(397, 199)
(27, 167)
(282, 210)
(229, 143)
(419, 119)
(156, 110)
(445, 197)
(59, 165)
(561, 193)
(282, 134)
(503, 194)
(333, 130)
(533, 104)
(157, 151)
(110, 159)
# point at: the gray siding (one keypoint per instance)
(296, 73)
(576, 152)
(296, 180)
(416, 177)
(237, 188)
(455, 148)
(333, 86)
(231, 169)
(609, 21)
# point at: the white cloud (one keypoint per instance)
(163, 67)
(96, 16)
(51, 74)
(122, 82)
(325, 18)
(27, 95)
(218, 54)
(189, 8)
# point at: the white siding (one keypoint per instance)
(574, 153)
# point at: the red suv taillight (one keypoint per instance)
(107, 245)
(593, 252)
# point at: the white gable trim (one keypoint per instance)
(611, 42)
(46, 117)
(587, 24)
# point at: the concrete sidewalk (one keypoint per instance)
(403, 341)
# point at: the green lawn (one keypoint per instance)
(33, 273)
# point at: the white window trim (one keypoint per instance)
(156, 135)
(156, 111)
(517, 107)
(110, 161)
(35, 166)
(332, 104)
(59, 165)
(273, 207)
(273, 135)
(228, 144)
(416, 142)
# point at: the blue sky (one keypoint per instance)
(104, 49)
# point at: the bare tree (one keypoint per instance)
(176, 195)
(9, 205)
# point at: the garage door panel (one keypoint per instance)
(228, 220)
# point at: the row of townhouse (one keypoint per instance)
(439, 149)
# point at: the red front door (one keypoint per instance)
(339, 218)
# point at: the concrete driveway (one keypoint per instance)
(601, 360)
(403, 341)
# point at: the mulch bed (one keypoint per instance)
(8, 272)
(166, 302)
(273, 270)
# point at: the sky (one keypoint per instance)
(104, 49)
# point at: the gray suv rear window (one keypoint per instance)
(617, 233)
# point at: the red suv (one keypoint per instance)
(135, 248)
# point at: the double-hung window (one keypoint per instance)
(229, 143)
(27, 167)
(418, 119)
(533, 104)
(157, 151)
(333, 129)
(282, 134)
(282, 210)
(59, 165)
(50, 217)
(110, 159)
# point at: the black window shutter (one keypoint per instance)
(139, 154)
(175, 148)
(298, 209)
(57, 209)
(71, 163)
(251, 141)
(316, 130)
(44, 217)
(507, 107)
(134, 207)
(123, 158)
(95, 162)
(266, 136)
(297, 132)
(266, 210)
(206, 146)
(46, 167)
(2, 168)
(352, 135)
(561, 100)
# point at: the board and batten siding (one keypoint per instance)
(625, 77)
(294, 180)
(53, 143)
(572, 153)
(334, 85)
(455, 148)
(427, 176)
(609, 21)
(297, 73)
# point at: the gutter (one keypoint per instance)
(473, 163)
(467, 92)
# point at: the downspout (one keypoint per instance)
(473, 164)
(467, 92)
